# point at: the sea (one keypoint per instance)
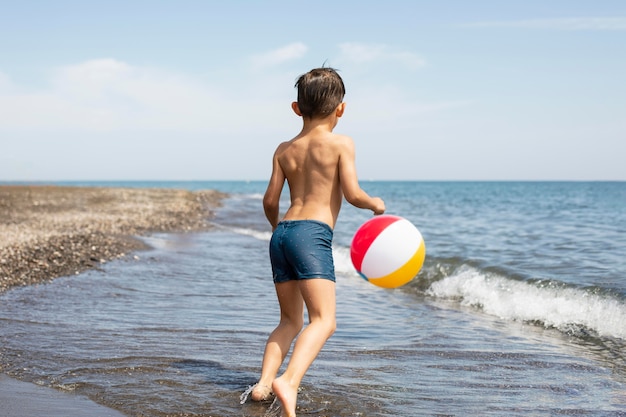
(518, 310)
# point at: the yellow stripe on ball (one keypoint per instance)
(405, 273)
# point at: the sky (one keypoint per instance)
(202, 90)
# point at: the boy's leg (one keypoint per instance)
(278, 344)
(319, 296)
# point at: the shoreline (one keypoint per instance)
(53, 231)
(47, 232)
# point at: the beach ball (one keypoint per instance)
(388, 251)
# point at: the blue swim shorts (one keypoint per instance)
(302, 249)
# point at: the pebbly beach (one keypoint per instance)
(50, 231)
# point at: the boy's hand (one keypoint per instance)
(378, 206)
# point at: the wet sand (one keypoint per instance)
(50, 231)
(22, 399)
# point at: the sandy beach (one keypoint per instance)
(51, 231)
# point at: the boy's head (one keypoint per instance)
(320, 91)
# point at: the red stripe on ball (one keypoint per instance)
(366, 234)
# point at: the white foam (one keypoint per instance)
(266, 236)
(342, 261)
(551, 305)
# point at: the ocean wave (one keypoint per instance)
(343, 262)
(569, 309)
(238, 196)
(265, 236)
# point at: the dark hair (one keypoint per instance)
(320, 91)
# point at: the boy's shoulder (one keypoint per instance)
(336, 138)
(330, 140)
(341, 140)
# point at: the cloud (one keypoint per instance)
(362, 53)
(570, 23)
(398, 110)
(278, 56)
(107, 94)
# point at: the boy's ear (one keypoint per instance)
(296, 108)
(340, 109)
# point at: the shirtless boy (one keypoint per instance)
(320, 170)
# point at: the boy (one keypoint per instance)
(320, 170)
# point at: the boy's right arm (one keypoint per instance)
(350, 182)
(272, 194)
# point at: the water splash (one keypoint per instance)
(244, 395)
(272, 411)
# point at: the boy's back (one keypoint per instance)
(311, 164)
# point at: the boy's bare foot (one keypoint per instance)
(261, 392)
(287, 395)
